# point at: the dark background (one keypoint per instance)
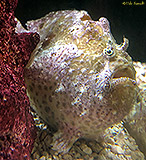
(125, 20)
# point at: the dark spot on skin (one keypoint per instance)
(74, 114)
(64, 104)
(37, 103)
(34, 99)
(33, 85)
(45, 88)
(94, 123)
(2, 138)
(75, 85)
(69, 91)
(47, 109)
(55, 83)
(84, 127)
(39, 87)
(47, 119)
(41, 25)
(50, 98)
(98, 110)
(36, 93)
(52, 114)
(80, 109)
(64, 100)
(94, 102)
(100, 120)
(45, 96)
(107, 114)
(50, 87)
(73, 123)
(30, 88)
(102, 112)
(58, 103)
(60, 92)
(87, 122)
(44, 102)
(57, 124)
(40, 106)
(91, 117)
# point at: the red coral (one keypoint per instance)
(17, 131)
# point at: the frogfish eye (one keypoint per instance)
(108, 51)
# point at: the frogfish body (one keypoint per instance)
(78, 79)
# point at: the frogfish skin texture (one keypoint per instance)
(78, 79)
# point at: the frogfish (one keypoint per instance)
(78, 79)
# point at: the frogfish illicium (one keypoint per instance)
(79, 80)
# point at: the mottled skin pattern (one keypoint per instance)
(78, 79)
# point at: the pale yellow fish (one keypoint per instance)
(79, 80)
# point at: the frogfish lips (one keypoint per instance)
(124, 89)
(128, 72)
